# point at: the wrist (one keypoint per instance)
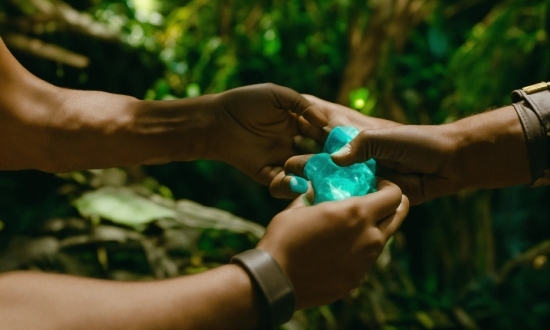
(275, 291)
(489, 150)
(118, 130)
(178, 130)
(532, 104)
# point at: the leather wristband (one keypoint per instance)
(532, 104)
(272, 281)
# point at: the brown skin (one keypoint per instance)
(317, 248)
(337, 115)
(487, 150)
(324, 249)
(65, 130)
(328, 246)
(483, 151)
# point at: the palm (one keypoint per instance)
(258, 127)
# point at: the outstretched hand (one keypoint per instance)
(326, 249)
(256, 127)
(483, 151)
(337, 115)
(429, 161)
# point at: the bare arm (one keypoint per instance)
(324, 250)
(483, 151)
(58, 130)
(486, 150)
(220, 298)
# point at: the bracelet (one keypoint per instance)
(532, 103)
(272, 281)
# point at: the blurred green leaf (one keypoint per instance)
(121, 205)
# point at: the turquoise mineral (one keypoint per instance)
(339, 137)
(332, 182)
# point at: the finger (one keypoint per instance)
(310, 131)
(296, 164)
(409, 145)
(372, 207)
(288, 186)
(289, 99)
(312, 99)
(390, 224)
(420, 188)
(389, 195)
(301, 201)
(362, 148)
(266, 175)
(410, 184)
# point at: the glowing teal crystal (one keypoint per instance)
(339, 137)
(332, 182)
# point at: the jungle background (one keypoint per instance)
(476, 260)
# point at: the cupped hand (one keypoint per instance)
(326, 249)
(421, 160)
(256, 126)
(337, 115)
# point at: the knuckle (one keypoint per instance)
(356, 212)
(295, 164)
(376, 240)
(393, 189)
(362, 145)
(377, 244)
(274, 189)
(269, 85)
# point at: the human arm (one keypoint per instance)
(220, 298)
(58, 130)
(483, 151)
(324, 250)
(487, 150)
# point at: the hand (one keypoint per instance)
(483, 151)
(256, 126)
(286, 186)
(339, 115)
(326, 249)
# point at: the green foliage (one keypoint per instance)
(472, 261)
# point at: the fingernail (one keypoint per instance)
(298, 185)
(345, 150)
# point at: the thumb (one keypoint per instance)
(364, 146)
(302, 200)
(289, 99)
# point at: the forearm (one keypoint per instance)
(66, 130)
(490, 149)
(104, 130)
(220, 298)
(57, 130)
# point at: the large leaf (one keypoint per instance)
(125, 206)
(121, 205)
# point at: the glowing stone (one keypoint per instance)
(332, 182)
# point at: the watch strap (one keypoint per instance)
(275, 286)
(532, 103)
